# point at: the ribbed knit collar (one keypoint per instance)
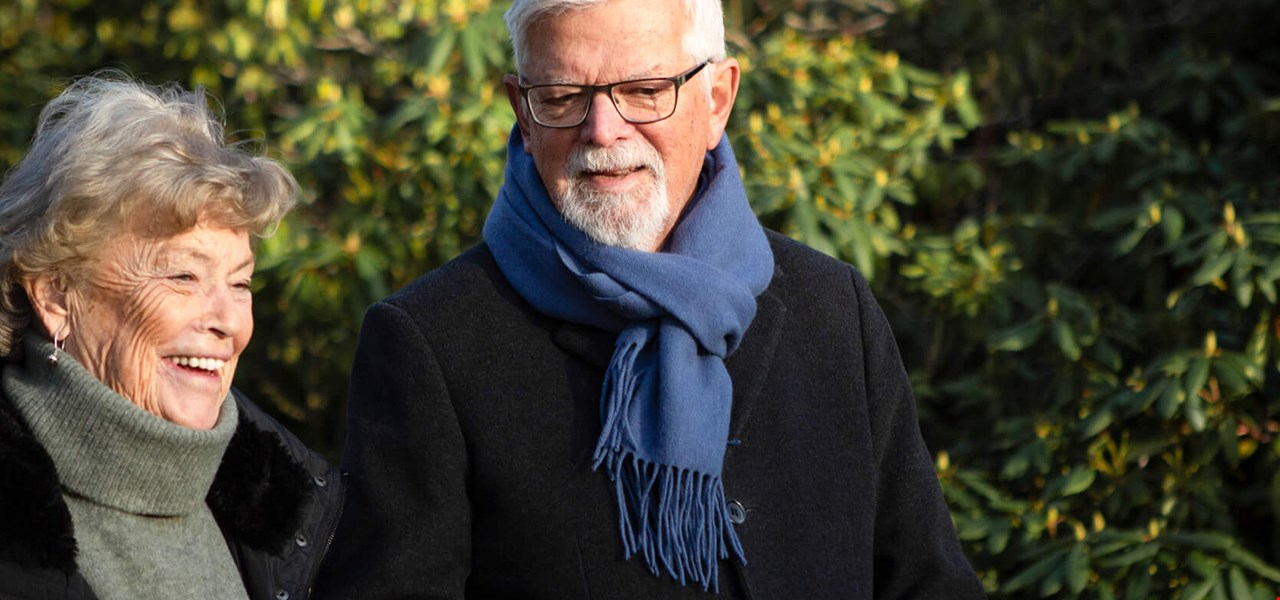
(106, 448)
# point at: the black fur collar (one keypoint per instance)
(257, 495)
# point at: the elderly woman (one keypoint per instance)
(128, 467)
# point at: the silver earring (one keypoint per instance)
(58, 344)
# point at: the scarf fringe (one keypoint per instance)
(675, 518)
(620, 385)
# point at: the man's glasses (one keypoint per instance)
(639, 101)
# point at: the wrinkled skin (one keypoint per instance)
(618, 41)
(150, 304)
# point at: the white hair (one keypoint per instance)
(703, 34)
(110, 148)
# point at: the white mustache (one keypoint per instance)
(626, 157)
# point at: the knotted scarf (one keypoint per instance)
(666, 398)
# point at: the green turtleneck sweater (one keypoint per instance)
(135, 484)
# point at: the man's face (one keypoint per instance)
(623, 184)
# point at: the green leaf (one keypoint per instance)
(968, 112)
(1220, 589)
(1078, 481)
(1202, 565)
(441, 51)
(1239, 585)
(1268, 289)
(1170, 400)
(1172, 222)
(1198, 590)
(1106, 355)
(1098, 421)
(1139, 585)
(1230, 371)
(1213, 269)
(1272, 270)
(1052, 583)
(1242, 285)
(1016, 338)
(1036, 572)
(1066, 340)
(1078, 569)
(975, 529)
(1142, 552)
(1197, 376)
(1194, 411)
(1251, 561)
(999, 538)
(1015, 466)
(473, 52)
(1130, 241)
(1205, 541)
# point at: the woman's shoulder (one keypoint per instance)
(35, 520)
(277, 499)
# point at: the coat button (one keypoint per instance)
(300, 540)
(320, 481)
(282, 595)
(737, 512)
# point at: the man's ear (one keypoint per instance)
(512, 84)
(50, 300)
(724, 90)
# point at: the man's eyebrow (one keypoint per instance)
(645, 74)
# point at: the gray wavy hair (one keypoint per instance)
(110, 153)
(703, 35)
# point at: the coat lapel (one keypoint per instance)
(749, 367)
(259, 492)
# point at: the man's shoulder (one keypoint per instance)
(470, 273)
(799, 264)
(466, 289)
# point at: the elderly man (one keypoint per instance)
(631, 389)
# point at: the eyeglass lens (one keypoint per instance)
(641, 101)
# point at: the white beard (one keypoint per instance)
(634, 219)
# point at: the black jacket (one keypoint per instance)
(473, 417)
(276, 502)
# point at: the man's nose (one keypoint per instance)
(604, 124)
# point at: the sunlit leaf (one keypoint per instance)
(1016, 338)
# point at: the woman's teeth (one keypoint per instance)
(207, 364)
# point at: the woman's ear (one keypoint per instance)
(50, 300)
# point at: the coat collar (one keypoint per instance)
(256, 497)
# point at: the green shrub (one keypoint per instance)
(1068, 209)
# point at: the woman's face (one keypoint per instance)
(163, 321)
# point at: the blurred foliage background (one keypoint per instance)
(1070, 210)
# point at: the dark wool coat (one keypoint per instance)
(473, 418)
(276, 502)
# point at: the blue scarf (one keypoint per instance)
(666, 399)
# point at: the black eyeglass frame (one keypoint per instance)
(592, 90)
